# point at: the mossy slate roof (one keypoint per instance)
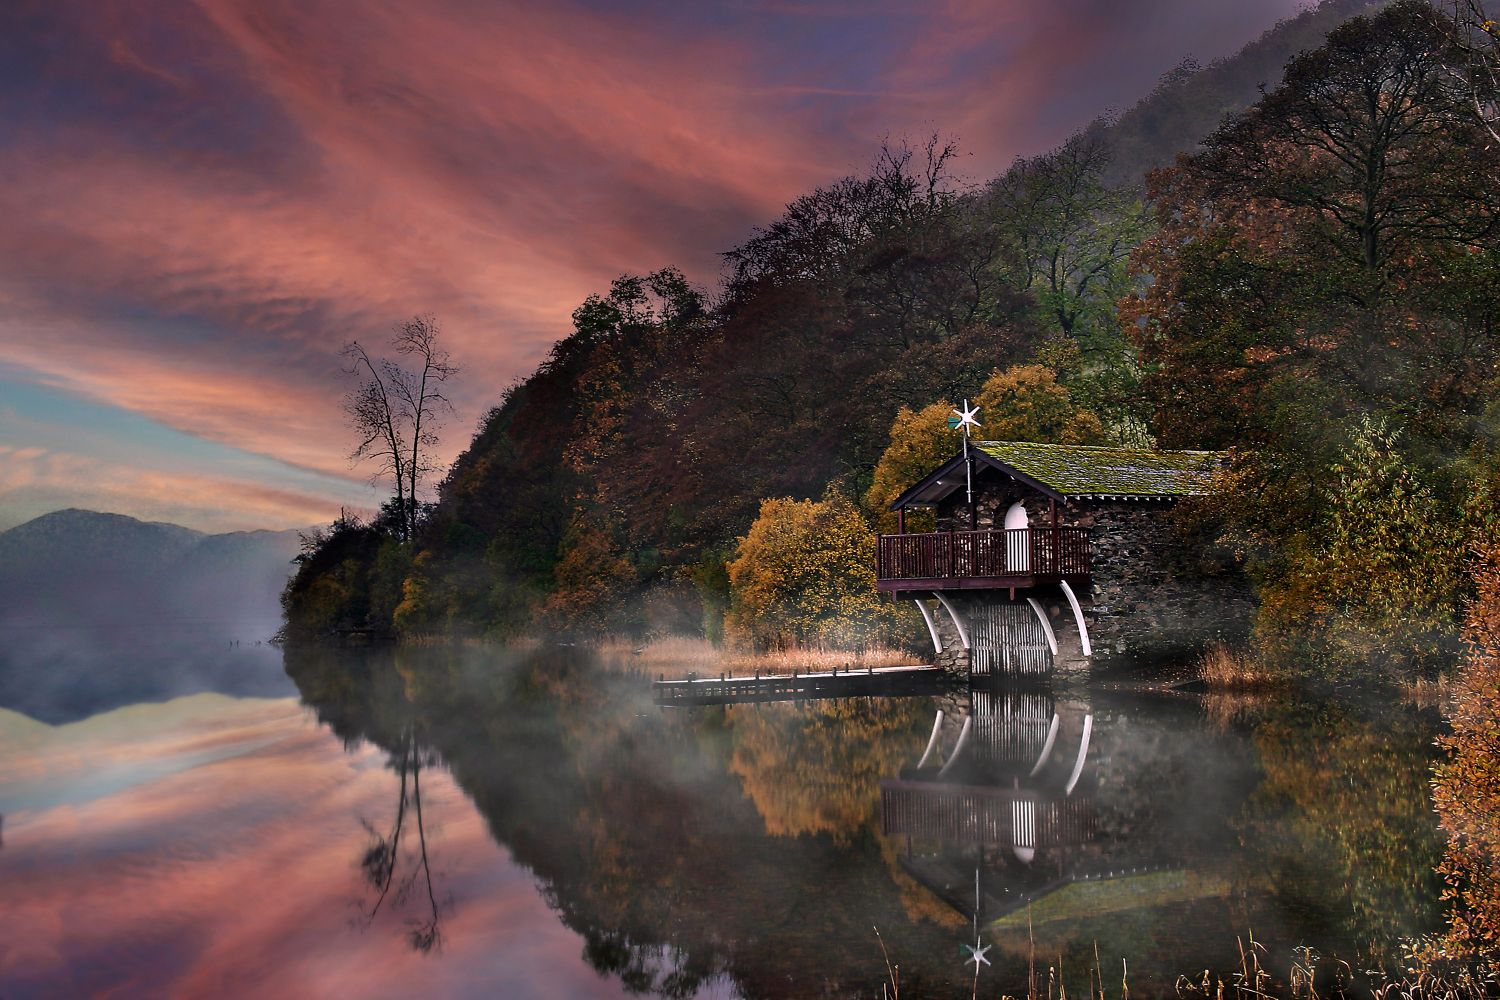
(1085, 470)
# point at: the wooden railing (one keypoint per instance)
(1038, 553)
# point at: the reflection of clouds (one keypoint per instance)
(201, 203)
(216, 856)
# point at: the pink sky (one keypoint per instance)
(203, 202)
(129, 872)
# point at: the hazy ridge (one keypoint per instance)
(101, 610)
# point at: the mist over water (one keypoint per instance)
(485, 822)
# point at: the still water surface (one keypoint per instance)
(581, 841)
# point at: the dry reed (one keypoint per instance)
(1224, 668)
(677, 656)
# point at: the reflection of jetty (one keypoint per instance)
(725, 690)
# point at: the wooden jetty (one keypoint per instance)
(727, 690)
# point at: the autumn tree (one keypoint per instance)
(920, 442)
(805, 574)
(397, 409)
(593, 578)
(1026, 403)
(1327, 261)
(1328, 253)
(1467, 790)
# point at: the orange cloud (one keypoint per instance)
(34, 481)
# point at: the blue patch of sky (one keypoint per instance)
(36, 416)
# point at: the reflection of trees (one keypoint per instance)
(816, 767)
(686, 847)
(1343, 820)
(365, 696)
(382, 858)
(1467, 789)
(641, 836)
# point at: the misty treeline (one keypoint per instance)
(1315, 287)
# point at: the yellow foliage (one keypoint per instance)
(1026, 403)
(920, 442)
(805, 574)
(413, 608)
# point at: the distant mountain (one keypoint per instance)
(83, 568)
(101, 610)
(1191, 101)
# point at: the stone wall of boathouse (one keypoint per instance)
(1155, 594)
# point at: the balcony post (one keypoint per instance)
(901, 521)
(1057, 560)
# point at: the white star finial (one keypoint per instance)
(968, 416)
(976, 954)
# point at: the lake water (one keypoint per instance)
(267, 837)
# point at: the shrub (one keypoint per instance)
(805, 574)
(1467, 789)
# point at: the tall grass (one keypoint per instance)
(677, 656)
(1311, 977)
(1225, 668)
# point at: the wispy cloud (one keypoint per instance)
(203, 202)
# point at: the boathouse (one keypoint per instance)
(1057, 556)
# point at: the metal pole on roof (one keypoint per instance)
(963, 420)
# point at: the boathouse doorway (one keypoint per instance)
(1017, 542)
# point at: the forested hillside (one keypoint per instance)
(1191, 100)
(1313, 287)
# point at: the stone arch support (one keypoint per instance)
(958, 619)
(1083, 626)
(1041, 615)
(937, 640)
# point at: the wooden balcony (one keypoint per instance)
(982, 560)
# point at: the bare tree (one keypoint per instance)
(397, 409)
(1474, 57)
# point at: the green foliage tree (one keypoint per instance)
(1327, 261)
(329, 594)
(1378, 581)
(1073, 234)
(804, 574)
(1328, 254)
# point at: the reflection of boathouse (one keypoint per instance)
(1012, 795)
(1063, 552)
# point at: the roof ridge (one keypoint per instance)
(1104, 447)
